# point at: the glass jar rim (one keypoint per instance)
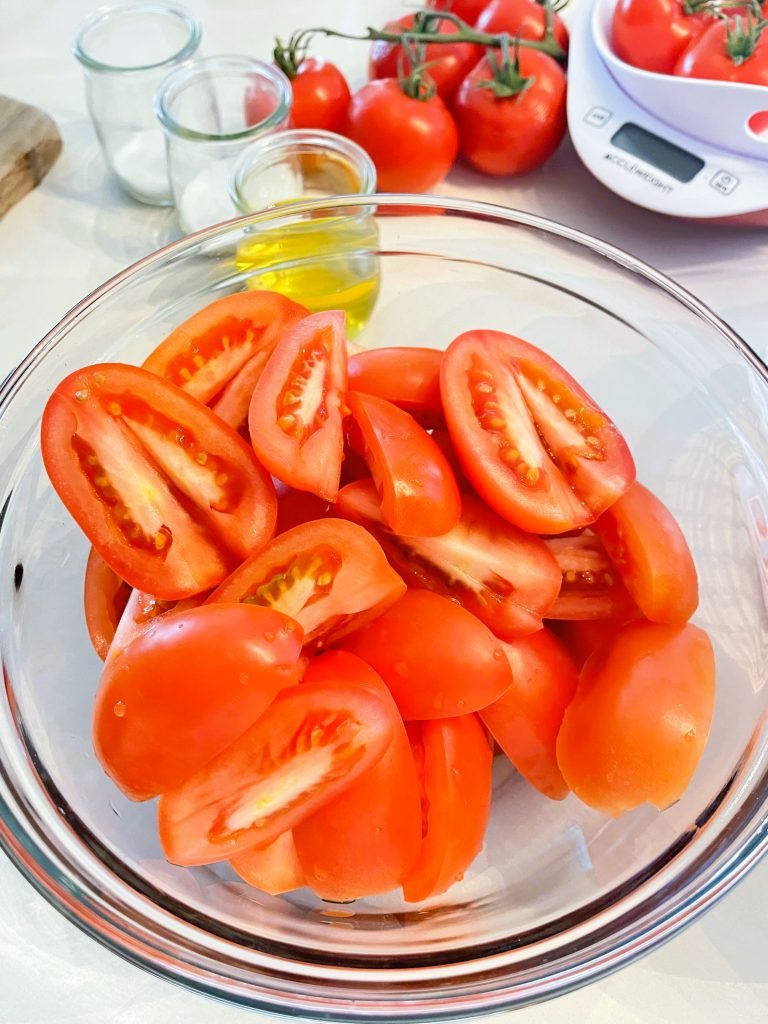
(107, 11)
(266, 151)
(181, 76)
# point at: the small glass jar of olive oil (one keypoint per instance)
(324, 260)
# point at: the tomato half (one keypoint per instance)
(296, 411)
(652, 34)
(273, 869)
(637, 725)
(647, 547)
(418, 491)
(310, 745)
(437, 659)
(449, 63)
(453, 758)
(328, 575)
(213, 345)
(532, 442)
(591, 587)
(179, 695)
(368, 838)
(407, 377)
(170, 497)
(507, 578)
(525, 721)
(105, 595)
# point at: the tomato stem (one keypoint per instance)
(742, 36)
(507, 80)
(425, 31)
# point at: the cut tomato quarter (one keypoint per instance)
(591, 587)
(105, 595)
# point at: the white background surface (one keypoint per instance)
(75, 231)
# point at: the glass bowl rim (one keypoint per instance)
(486, 980)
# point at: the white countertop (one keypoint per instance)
(75, 231)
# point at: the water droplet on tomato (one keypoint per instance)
(498, 653)
(120, 709)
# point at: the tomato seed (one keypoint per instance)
(114, 409)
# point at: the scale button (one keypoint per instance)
(598, 116)
(724, 182)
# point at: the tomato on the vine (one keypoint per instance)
(449, 63)
(320, 96)
(412, 142)
(524, 18)
(732, 50)
(511, 116)
(637, 725)
(652, 34)
(467, 10)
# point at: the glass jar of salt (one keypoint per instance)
(211, 109)
(126, 50)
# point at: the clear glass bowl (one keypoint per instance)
(560, 895)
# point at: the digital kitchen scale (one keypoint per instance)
(680, 146)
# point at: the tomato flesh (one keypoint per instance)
(454, 760)
(437, 659)
(531, 441)
(105, 596)
(648, 549)
(178, 696)
(330, 576)
(591, 588)
(211, 347)
(297, 406)
(419, 493)
(168, 495)
(637, 725)
(507, 578)
(274, 869)
(311, 743)
(365, 840)
(526, 719)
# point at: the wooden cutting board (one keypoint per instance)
(29, 145)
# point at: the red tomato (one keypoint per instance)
(142, 611)
(273, 869)
(234, 400)
(449, 63)
(525, 721)
(591, 588)
(636, 728)
(298, 507)
(320, 96)
(467, 10)
(503, 134)
(727, 51)
(179, 695)
(105, 596)
(453, 758)
(505, 577)
(407, 377)
(213, 345)
(583, 637)
(652, 34)
(309, 746)
(368, 838)
(168, 495)
(418, 491)
(437, 659)
(295, 418)
(330, 576)
(532, 442)
(647, 547)
(413, 143)
(524, 18)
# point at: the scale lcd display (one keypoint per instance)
(661, 154)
